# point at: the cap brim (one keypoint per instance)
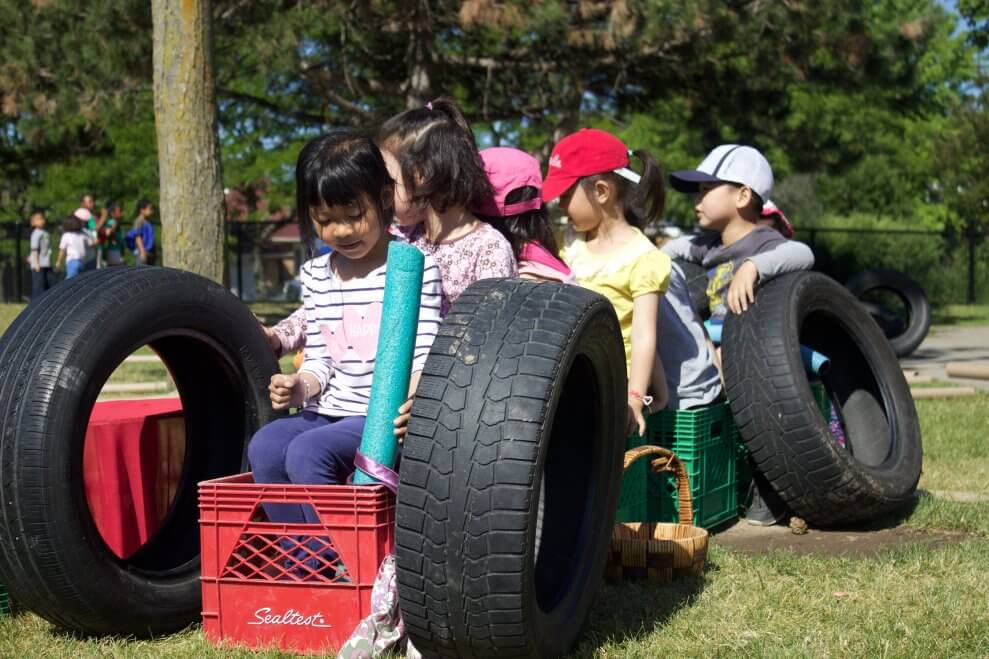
(689, 180)
(554, 186)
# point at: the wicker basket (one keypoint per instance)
(655, 551)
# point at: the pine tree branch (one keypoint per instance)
(269, 105)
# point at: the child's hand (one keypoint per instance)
(286, 391)
(402, 420)
(635, 416)
(741, 293)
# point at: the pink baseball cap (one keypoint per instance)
(510, 169)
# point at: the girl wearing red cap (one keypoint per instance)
(607, 205)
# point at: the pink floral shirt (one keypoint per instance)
(482, 254)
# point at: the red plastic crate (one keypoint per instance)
(268, 584)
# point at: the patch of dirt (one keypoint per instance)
(856, 543)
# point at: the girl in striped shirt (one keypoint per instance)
(345, 196)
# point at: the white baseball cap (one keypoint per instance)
(728, 163)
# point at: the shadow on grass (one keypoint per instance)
(633, 610)
(891, 520)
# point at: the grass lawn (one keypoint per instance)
(913, 600)
(961, 314)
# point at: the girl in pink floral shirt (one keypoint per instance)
(439, 176)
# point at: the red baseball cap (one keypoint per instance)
(587, 152)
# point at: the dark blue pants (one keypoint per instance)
(307, 448)
(41, 281)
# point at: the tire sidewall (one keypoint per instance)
(594, 330)
(899, 474)
(188, 305)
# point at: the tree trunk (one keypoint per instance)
(188, 150)
(419, 90)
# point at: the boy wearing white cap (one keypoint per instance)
(731, 185)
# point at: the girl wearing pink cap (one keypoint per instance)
(607, 204)
(517, 210)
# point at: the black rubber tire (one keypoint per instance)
(54, 360)
(524, 387)
(697, 281)
(918, 322)
(781, 423)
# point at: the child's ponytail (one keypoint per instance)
(646, 201)
(643, 201)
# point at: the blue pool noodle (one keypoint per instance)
(814, 361)
(393, 359)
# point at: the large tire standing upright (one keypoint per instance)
(779, 420)
(523, 392)
(54, 360)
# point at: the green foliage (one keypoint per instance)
(850, 98)
(937, 261)
(125, 170)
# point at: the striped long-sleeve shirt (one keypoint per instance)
(342, 323)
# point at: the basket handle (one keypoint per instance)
(667, 462)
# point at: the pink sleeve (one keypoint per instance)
(292, 332)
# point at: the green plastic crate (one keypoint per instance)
(704, 439)
(4, 601)
(633, 503)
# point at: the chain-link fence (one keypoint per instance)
(263, 259)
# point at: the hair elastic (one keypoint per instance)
(429, 106)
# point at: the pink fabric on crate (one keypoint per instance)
(382, 632)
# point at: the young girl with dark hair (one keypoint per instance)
(517, 210)
(439, 176)
(607, 204)
(344, 196)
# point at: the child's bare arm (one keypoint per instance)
(660, 390)
(644, 310)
